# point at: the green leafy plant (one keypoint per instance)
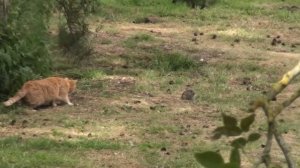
(24, 44)
(73, 31)
(212, 159)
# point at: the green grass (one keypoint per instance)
(42, 152)
(135, 40)
(173, 62)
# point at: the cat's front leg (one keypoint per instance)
(68, 101)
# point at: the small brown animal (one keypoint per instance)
(44, 91)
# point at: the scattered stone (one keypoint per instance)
(188, 94)
(163, 149)
(263, 146)
(214, 36)
(122, 134)
(136, 102)
(13, 122)
(283, 44)
(152, 108)
(246, 81)
(34, 135)
(167, 153)
(171, 82)
(69, 136)
(293, 45)
(195, 34)
(194, 39)
(201, 34)
(169, 91)
(268, 36)
(278, 41)
(205, 126)
(274, 42)
(89, 135)
(237, 40)
(278, 37)
(181, 133)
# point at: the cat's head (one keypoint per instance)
(72, 85)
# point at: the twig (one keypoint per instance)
(265, 157)
(283, 146)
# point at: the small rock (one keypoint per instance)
(201, 34)
(171, 82)
(274, 42)
(194, 39)
(188, 94)
(195, 34)
(268, 36)
(293, 46)
(167, 153)
(136, 102)
(278, 37)
(214, 36)
(263, 146)
(69, 136)
(163, 149)
(89, 135)
(13, 122)
(169, 91)
(237, 40)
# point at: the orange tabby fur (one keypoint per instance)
(44, 91)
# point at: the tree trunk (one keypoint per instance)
(4, 10)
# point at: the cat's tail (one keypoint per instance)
(20, 94)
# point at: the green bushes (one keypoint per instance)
(23, 44)
(74, 29)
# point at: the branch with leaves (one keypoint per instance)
(271, 109)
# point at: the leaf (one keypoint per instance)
(218, 132)
(235, 158)
(229, 121)
(246, 122)
(239, 143)
(230, 165)
(228, 131)
(254, 137)
(210, 159)
(233, 131)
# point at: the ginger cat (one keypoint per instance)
(45, 91)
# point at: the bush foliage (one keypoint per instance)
(23, 44)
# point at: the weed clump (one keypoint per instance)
(173, 62)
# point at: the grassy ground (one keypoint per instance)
(128, 111)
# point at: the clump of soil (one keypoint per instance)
(188, 94)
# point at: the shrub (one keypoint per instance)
(73, 32)
(23, 48)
